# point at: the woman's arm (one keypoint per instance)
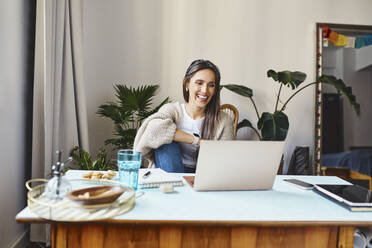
(157, 129)
(181, 136)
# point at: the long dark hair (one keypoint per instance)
(213, 107)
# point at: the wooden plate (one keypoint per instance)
(96, 195)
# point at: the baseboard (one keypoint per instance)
(22, 241)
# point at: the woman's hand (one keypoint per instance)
(181, 136)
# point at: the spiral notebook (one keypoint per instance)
(153, 178)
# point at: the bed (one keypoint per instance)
(358, 159)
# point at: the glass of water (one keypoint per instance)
(129, 163)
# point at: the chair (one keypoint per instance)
(233, 112)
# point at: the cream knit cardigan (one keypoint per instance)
(159, 128)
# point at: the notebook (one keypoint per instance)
(153, 178)
(237, 165)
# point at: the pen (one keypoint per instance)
(147, 174)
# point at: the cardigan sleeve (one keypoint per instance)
(157, 130)
(227, 127)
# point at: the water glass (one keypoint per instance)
(129, 163)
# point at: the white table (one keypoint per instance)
(285, 216)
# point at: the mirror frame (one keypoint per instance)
(345, 29)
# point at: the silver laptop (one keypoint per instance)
(237, 165)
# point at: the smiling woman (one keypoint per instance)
(171, 137)
(201, 80)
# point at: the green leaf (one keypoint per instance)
(81, 158)
(239, 89)
(244, 123)
(94, 165)
(135, 99)
(112, 111)
(117, 143)
(273, 126)
(273, 74)
(84, 161)
(145, 95)
(126, 98)
(288, 78)
(341, 87)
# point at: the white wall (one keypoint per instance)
(363, 58)
(16, 42)
(140, 41)
(333, 64)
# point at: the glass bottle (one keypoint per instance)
(58, 186)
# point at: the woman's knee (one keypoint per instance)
(168, 158)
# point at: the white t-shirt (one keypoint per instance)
(189, 151)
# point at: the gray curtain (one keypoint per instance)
(59, 111)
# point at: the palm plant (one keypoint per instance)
(132, 107)
(274, 126)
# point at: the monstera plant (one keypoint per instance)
(132, 107)
(274, 126)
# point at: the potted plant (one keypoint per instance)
(132, 107)
(274, 126)
(85, 162)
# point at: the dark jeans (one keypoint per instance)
(168, 158)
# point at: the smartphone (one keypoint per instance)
(299, 183)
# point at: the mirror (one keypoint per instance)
(342, 139)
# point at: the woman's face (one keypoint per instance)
(201, 88)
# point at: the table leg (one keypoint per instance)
(346, 237)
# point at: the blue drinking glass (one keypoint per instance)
(129, 163)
